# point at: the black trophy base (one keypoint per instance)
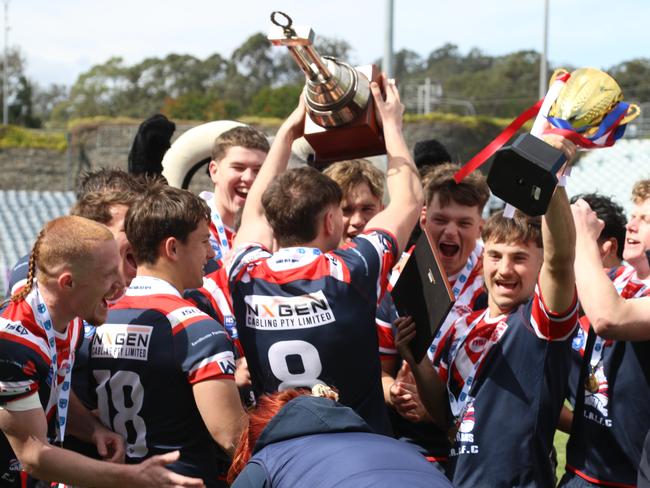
(523, 174)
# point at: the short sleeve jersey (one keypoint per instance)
(505, 431)
(608, 432)
(25, 366)
(144, 360)
(308, 317)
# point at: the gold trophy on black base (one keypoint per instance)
(341, 121)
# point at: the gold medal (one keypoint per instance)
(592, 384)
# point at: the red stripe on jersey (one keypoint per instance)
(26, 343)
(186, 323)
(596, 480)
(315, 270)
(385, 338)
(210, 371)
(550, 325)
(213, 302)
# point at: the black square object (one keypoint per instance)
(523, 174)
(423, 292)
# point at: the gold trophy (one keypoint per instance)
(586, 107)
(341, 121)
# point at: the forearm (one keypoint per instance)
(432, 391)
(50, 463)
(557, 277)
(611, 316)
(404, 188)
(81, 423)
(386, 382)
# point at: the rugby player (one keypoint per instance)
(609, 424)
(306, 312)
(504, 369)
(76, 263)
(164, 370)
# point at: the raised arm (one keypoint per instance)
(402, 179)
(611, 316)
(557, 277)
(254, 226)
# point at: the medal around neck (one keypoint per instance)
(586, 107)
(341, 122)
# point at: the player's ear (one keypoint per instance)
(168, 248)
(423, 218)
(213, 169)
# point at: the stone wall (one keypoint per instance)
(108, 146)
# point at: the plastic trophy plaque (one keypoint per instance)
(341, 122)
(523, 174)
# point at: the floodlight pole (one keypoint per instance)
(5, 77)
(543, 70)
(388, 65)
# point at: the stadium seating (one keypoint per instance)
(22, 214)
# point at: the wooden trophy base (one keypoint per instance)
(360, 138)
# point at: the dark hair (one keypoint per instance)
(520, 228)
(472, 191)
(611, 214)
(244, 136)
(108, 179)
(162, 212)
(293, 202)
(430, 152)
(97, 205)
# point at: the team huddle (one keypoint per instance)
(247, 337)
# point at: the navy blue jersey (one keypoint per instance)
(154, 346)
(25, 360)
(505, 433)
(307, 317)
(610, 423)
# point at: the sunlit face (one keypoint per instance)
(233, 176)
(193, 254)
(454, 228)
(510, 271)
(358, 206)
(116, 225)
(98, 283)
(637, 235)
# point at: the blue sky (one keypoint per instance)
(63, 38)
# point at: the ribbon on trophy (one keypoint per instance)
(585, 106)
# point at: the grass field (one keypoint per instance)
(560, 447)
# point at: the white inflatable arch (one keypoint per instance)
(192, 150)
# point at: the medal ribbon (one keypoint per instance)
(459, 405)
(462, 299)
(219, 242)
(59, 393)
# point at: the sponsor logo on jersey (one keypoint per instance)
(477, 344)
(122, 341)
(288, 313)
(16, 328)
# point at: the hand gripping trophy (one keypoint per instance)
(585, 106)
(341, 121)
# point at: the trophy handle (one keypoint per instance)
(633, 111)
(299, 40)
